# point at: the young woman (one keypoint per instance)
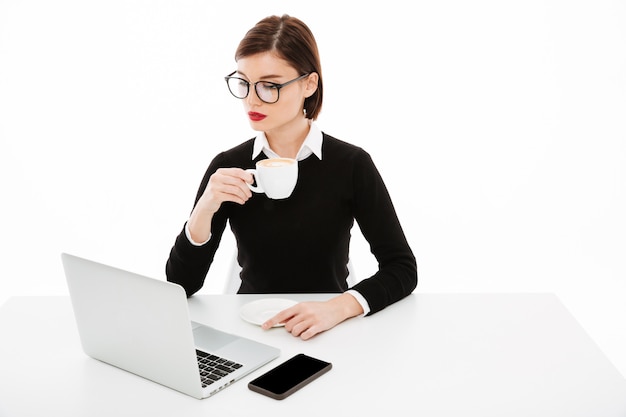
(299, 244)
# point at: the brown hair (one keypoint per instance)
(292, 41)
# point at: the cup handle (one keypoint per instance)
(257, 188)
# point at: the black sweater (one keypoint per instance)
(300, 244)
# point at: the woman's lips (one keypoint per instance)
(256, 117)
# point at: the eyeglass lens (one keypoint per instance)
(240, 88)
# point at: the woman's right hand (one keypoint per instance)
(226, 184)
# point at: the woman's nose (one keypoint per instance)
(253, 97)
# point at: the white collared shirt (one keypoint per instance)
(312, 145)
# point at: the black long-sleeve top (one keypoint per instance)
(300, 244)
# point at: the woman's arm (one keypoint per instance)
(374, 212)
(397, 274)
(189, 262)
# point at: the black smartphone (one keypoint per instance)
(289, 376)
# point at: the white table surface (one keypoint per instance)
(430, 355)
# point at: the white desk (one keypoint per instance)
(440, 355)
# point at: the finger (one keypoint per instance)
(309, 333)
(305, 330)
(227, 184)
(241, 184)
(223, 197)
(296, 329)
(238, 173)
(280, 318)
(240, 193)
(233, 177)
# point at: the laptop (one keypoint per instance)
(142, 326)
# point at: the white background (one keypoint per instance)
(498, 126)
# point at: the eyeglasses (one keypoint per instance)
(267, 91)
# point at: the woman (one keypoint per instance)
(299, 244)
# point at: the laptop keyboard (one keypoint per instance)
(214, 368)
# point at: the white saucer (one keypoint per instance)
(259, 311)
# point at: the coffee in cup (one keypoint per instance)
(276, 177)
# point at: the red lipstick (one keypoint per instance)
(256, 117)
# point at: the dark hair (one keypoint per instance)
(292, 41)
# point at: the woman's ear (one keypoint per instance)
(311, 84)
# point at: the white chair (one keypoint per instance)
(233, 281)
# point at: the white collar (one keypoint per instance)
(312, 145)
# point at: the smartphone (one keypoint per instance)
(289, 376)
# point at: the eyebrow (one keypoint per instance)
(265, 77)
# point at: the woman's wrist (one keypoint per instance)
(348, 305)
(199, 226)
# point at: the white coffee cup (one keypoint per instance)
(276, 177)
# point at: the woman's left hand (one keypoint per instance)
(309, 318)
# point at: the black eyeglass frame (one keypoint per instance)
(273, 85)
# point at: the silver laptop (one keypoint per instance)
(142, 325)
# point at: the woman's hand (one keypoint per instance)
(226, 184)
(307, 319)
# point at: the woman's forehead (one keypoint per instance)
(264, 65)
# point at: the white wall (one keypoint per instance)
(497, 125)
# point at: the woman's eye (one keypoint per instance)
(268, 86)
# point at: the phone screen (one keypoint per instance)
(289, 376)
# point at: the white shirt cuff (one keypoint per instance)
(361, 300)
(188, 234)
